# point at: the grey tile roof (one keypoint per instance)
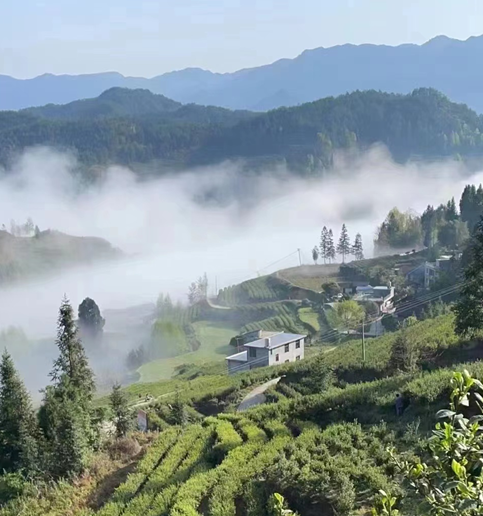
(275, 341)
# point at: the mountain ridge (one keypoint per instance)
(446, 64)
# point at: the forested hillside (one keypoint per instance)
(122, 102)
(423, 124)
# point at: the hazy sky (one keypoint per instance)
(149, 37)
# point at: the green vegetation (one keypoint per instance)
(310, 317)
(134, 126)
(327, 440)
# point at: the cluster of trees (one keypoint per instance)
(398, 231)
(327, 250)
(198, 290)
(438, 227)
(305, 138)
(55, 442)
(23, 230)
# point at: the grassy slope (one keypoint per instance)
(214, 338)
(308, 316)
(311, 276)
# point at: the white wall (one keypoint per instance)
(290, 355)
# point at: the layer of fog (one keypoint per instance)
(171, 238)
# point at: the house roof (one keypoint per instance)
(275, 341)
(238, 357)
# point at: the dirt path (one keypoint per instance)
(256, 396)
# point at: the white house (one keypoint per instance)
(277, 348)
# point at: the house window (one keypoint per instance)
(253, 352)
(297, 358)
(277, 358)
(287, 348)
(297, 345)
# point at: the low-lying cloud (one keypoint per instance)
(171, 238)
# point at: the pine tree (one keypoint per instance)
(71, 369)
(65, 415)
(324, 241)
(357, 250)
(18, 428)
(469, 308)
(344, 246)
(330, 246)
(120, 409)
(68, 433)
(315, 254)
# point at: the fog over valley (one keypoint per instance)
(170, 237)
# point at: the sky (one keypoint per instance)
(151, 37)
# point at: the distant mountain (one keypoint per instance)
(448, 65)
(23, 257)
(423, 124)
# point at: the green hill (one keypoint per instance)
(114, 102)
(130, 127)
(22, 257)
(320, 440)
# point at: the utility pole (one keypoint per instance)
(300, 259)
(216, 286)
(363, 343)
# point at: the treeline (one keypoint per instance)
(443, 226)
(423, 123)
(327, 249)
(26, 229)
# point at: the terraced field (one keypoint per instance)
(217, 468)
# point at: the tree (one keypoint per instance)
(71, 369)
(18, 428)
(346, 315)
(120, 409)
(330, 289)
(29, 227)
(65, 415)
(193, 293)
(398, 231)
(330, 246)
(324, 244)
(404, 353)
(344, 246)
(315, 255)
(91, 323)
(357, 250)
(36, 232)
(469, 307)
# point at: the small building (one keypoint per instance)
(423, 275)
(276, 349)
(382, 296)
